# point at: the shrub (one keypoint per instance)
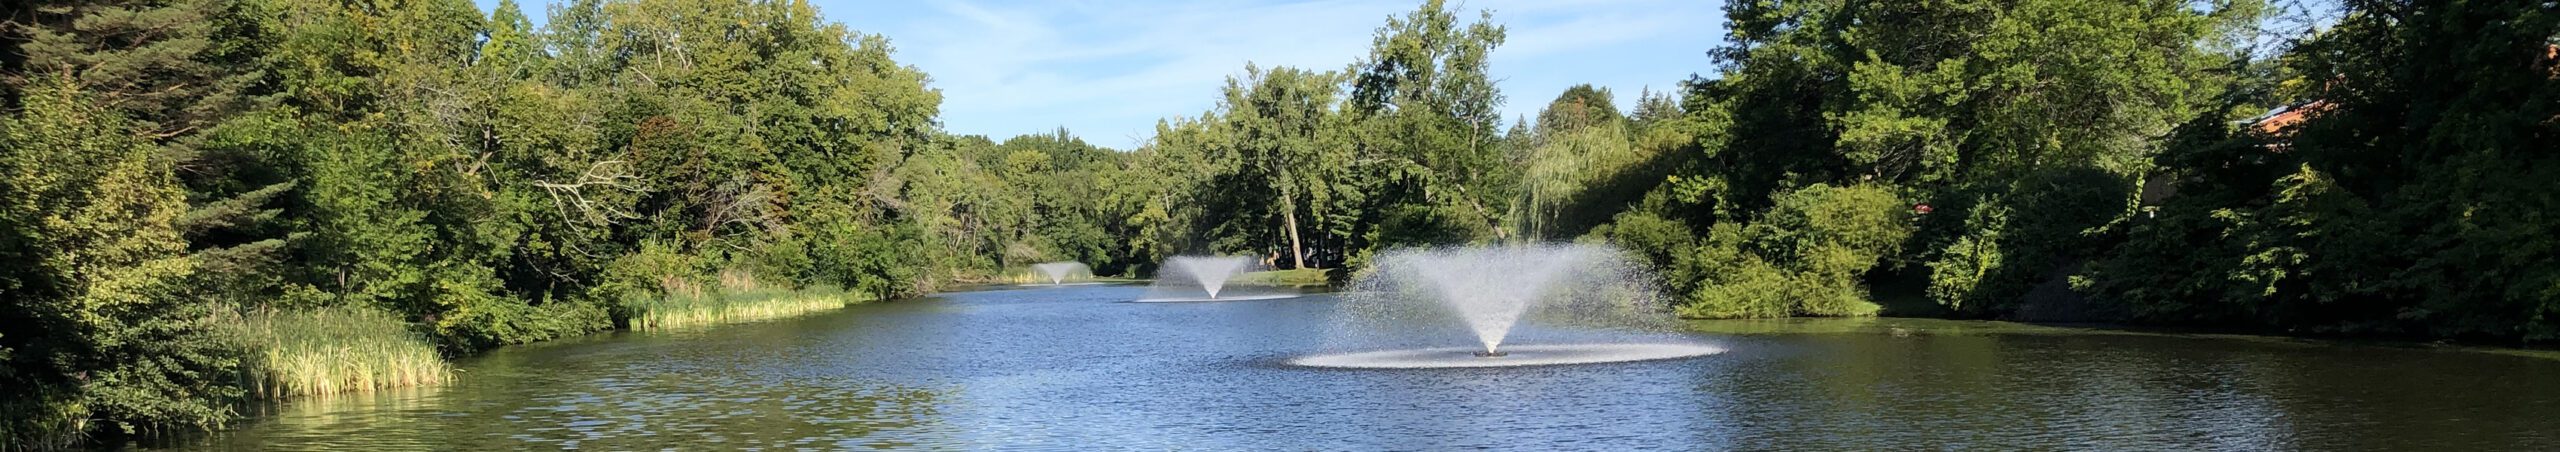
(1804, 257)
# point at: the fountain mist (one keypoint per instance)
(1210, 272)
(1204, 278)
(1492, 289)
(1059, 271)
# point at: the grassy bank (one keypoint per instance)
(680, 311)
(1027, 276)
(684, 301)
(1299, 277)
(333, 351)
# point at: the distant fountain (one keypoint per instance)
(1594, 294)
(1210, 271)
(1202, 278)
(1058, 272)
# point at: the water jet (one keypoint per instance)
(1058, 272)
(1594, 294)
(1202, 278)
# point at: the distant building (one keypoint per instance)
(2282, 119)
(2278, 126)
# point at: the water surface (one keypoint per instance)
(1078, 368)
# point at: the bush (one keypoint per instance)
(472, 315)
(2011, 241)
(1750, 290)
(1804, 257)
(1427, 226)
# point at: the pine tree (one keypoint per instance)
(101, 324)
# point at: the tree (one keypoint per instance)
(1288, 136)
(1962, 103)
(100, 325)
(1426, 102)
(2431, 122)
(1580, 107)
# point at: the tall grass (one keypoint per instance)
(1029, 276)
(1303, 277)
(336, 350)
(740, 298)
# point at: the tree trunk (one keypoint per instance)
(1297, 253)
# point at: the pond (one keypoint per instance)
(1080, 368)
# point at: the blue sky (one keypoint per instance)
(1108, 70)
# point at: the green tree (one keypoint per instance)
(1427, 103)
(2426, 128)
(99, 326)
(1288, 137)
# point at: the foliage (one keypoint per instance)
(98, 324)
(482, 181)
(2406, 202)
(1805, 257)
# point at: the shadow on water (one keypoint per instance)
(1975, 383)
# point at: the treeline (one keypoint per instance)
(2114, 161)
(2104, 160)
(2066, 160)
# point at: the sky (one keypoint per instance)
(1109, 70)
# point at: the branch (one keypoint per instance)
(572, 196)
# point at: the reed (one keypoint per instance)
(1304, 277)
(740, 299)
(335, 351)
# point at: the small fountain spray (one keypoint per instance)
(1059, 271)
(1211, 272)
(1203, 278)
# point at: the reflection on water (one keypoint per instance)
(615, 393)
(1073, 368)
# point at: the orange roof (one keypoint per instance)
(2279, 122)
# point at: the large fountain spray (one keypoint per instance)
(1203, 278)
(1490, 288)
(1586, 290)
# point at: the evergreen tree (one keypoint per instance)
(99, 325)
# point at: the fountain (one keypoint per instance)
(1188, 278)
(1058, 272)
(1589, 294)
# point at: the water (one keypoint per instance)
(1074, 368)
